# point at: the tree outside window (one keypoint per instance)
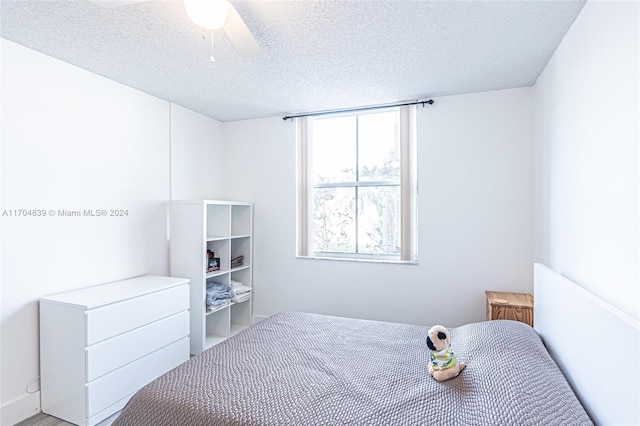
(353, 166)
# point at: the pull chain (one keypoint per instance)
(212, 58)
(204, 37)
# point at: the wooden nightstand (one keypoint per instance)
(510, 306)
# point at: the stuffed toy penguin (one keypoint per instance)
(444, 364)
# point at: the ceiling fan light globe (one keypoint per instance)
(211, 14)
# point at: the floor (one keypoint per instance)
(42, 419)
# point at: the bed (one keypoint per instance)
(580, 331)
(307, 369)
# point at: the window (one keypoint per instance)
(357, 185)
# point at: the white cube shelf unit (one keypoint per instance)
(225, 228)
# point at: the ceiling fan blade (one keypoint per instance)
(114, 3)
(239, 34)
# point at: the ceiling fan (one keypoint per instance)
(211, 15)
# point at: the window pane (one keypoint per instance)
(350, 186)
(334, 224)
(334, 149)
(379, 147)
(379, 220)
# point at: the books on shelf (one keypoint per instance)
(237, 262)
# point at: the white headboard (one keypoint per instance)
(576, 327)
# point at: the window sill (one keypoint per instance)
(352, 259)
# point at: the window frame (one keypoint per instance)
(408, 190)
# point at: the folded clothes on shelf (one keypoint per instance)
(239, 289)
(241, 297)
(240, 292)
(218, 293)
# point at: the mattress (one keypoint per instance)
(307, 369)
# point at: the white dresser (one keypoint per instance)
(99, 345)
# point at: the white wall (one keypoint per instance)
(196, 156)
(74, 140)
(71, 139)
(587, 186)
(475, 217)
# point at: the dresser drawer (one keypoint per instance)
(124, 381)
(111, 320)
(107, 412)
(113, 353)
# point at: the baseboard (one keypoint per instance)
(20, 409)
(258, 318)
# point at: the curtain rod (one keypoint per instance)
(338, 111)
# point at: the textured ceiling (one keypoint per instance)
(315, 55)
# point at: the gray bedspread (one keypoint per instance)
(306, 369)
